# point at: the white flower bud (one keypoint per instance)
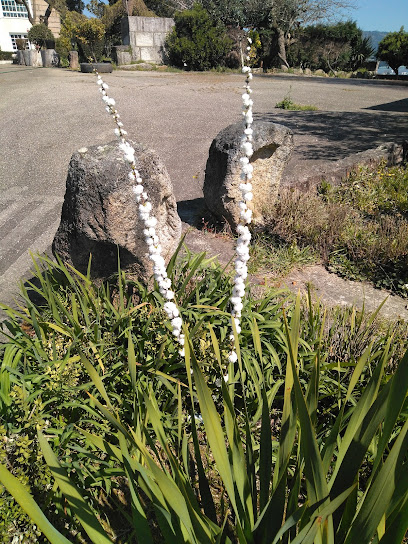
(233, 357)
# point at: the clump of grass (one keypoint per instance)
(278, 256)
(288, 104)
(359, 229)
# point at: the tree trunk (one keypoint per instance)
(282, 50)
(44, 18)
(25, 4)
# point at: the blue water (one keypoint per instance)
(385, 70)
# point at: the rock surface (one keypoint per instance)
(73, 60)
(100, 213)
(272, 145)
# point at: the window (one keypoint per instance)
(11, 9)
(14, 37)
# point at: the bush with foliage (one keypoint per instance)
(359, 228)
(140, 440)
(67, 40)
(40, 34)
(196, 41)
(394, 49)
(90, 33)
(330, 47)
(6, 55)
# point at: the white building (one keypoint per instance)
(14, 24)
(14, 21)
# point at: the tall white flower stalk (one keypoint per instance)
(149, 221)
(244, 235)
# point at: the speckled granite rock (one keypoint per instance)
(272, 145)
(100, 214)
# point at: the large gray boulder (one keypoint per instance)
(100, 213)
(272, 145)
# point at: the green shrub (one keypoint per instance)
(360, 228)
(6, 55)
(40, 34)
(81, 345)
(90, 34)
(321, 451)
(196, 42)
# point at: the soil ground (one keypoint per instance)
(46, 114)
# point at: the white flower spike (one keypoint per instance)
(150, 222)
(244, 235)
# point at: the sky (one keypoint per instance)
(383, 15)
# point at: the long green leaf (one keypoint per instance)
(309, 532)
(395, 403)
(378, 496)
(215, 435)
(28, 504)
(81, 509)
(265, 454)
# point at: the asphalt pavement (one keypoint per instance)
(46, 114)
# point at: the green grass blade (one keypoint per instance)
(30, 507)
(81, 509)
(96, 379)
(398, 527)
(205, 491)
(380, 493)
(132, 361)
(308, 534)
(359, 443)
(270, 520)
(265, 454)
(215, 435)
(363, 406)
(395, 403)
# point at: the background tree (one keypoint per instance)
(330, 47)
(68, 35)
(394, 49)
(284, 17)
(196, 41)
(40, 34)
(96, 7)
(168, 8)
(90, 34)
(230, 13)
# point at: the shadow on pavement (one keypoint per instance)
(397, 105)
(334, 135)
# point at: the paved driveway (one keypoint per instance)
(46, 114)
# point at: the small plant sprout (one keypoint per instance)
(150, 222)
(244, 235)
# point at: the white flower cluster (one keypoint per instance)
(150, 222)
(244, 235)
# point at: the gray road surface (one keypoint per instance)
(47, 114)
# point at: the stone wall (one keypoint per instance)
(54, 21)
(145, 37)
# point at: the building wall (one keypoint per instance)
(13, 23)
(54, 21)
(146, 36)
